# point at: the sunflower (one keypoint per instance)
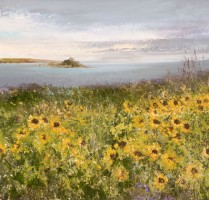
(67, 103)
(178, 138)
(127, 107)
(155, 122)
(21, 133)
(2, 149)
(160, 181)
(16, 148)
(170, 130)
(169, 160)
(138, 122)
(56, 125)
(120, 174)
(81, 142)
(205, 100)
(121, 144)
(66, 143)
(34, 122)
(194, 171)
(205, 152)
(134, 149)
(43, 138)
(181, 182)
(153, 151)
(110, 156)
(44, 119)
(186, 128)
(176, 121)
(137, 155)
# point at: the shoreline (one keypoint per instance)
(153, 81)
(49, 63)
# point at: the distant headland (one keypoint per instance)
(69, 63)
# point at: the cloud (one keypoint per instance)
(99, 29)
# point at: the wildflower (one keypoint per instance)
(66, 143)
(153, 151)
(181, 182)
(127, 106)
(194, 171)
(155, 122)
(67, 103)
(56, 126)
(169, 160)
(81, 142)
(186, 127)
(110, 156)
(205, 152)
(34, 122)
(44, 119)
(21, 133)
(43, 137)
(178, 138)
(137, 155)
(121, 174)
(138, 122)
(16, 147)
(2, 149)
(160, 181)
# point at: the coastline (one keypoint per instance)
(48, 63)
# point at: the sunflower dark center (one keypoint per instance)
(138, 153)
(44, 137)
(170, 158)
(161, 180)
(122, 144)
(155, 121)
(1, 150)
(155, 105)
(45, 120)
(178, 136)
(175, 102)
(199, 101)
(141, 121)
(22, 133)
(69, 103)
(200, 107)
(56, 124)
(171, 128)
(177, 121)
(83, 143)
(194, 171)
(207, 151)
(186, 126)
(34, 121)
(186, 98)
(165, 103)
(154, 151)
(113, 156)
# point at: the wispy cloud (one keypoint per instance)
(101, 29)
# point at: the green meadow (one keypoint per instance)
(140, 141)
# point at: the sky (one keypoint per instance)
(104, 31)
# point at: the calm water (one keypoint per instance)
(99, 74)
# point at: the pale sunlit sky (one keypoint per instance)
(104, 31)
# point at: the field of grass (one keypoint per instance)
(143, 141)
(21, 60)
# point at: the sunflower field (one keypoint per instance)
(143, 141)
